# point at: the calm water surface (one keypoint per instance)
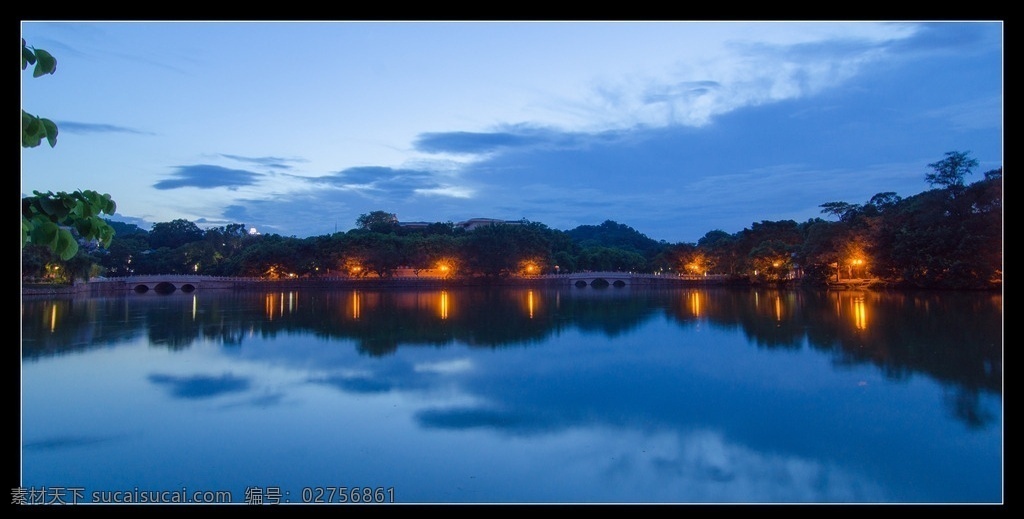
(517, 396)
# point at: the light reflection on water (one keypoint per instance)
(615, 395)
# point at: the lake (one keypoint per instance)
(514, 395)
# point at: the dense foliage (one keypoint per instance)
(57, 220)
(947, 237)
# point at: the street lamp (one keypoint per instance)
(856, 264)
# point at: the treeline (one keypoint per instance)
(947, 237)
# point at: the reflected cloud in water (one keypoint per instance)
(502, 421)
(201, 386)
(355, 384)
(446, 367)
(68, 442)
(674, 396)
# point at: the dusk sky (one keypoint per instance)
(672, 128)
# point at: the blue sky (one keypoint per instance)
(672, 128)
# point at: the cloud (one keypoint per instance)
(955, 38)
(977, 114)
(207, 176)
(686, 89)
(310, 214)
(471, 142)
(767, 123)
(371, 175)
(237, 213)
(270, 162)
(510, 138)
(392, 185)
(85, 128)
(447, 191)
(741, 73)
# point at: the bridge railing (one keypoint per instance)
(574, 275)
(649, 275)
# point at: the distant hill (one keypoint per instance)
(614, 234)
(122, 229)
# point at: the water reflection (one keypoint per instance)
(860, 317)
(652, 395)
(277, 302)
(444, 304)
(355, 305)
(956, 338)
(853, 307)
(529, 303)
(695, 303)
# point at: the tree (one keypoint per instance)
(378, 221)
(490, 251)
(886, 200)
(33, 128)
(123, 255)
(49, 218)
(842, 210)
(174, 234)
(772, 259)
(616, 235)
(722, 252)
(950, 171)
(378, 253)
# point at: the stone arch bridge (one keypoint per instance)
(622, 279)
(168, 283)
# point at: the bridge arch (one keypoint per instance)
(171, 283)
(600, 280)
(624, 279)
(164, 287)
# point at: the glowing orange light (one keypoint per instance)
(356, 310)
(860, 314)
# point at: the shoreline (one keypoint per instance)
(112, 287)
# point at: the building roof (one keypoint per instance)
(474, 223)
